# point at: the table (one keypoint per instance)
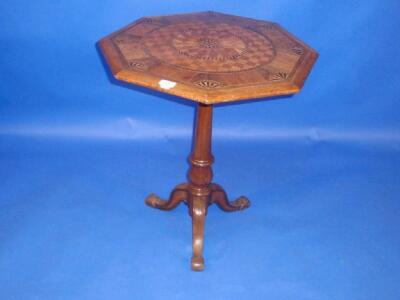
(209, 58)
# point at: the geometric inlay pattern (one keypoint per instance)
(209, 47)
(209, 57)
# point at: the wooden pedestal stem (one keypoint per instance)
(200, 176)
(200, 192)
(201, 159)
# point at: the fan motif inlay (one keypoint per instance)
(211, 57)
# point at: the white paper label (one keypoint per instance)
(166, 84)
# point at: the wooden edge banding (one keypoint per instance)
(292, 36)
(304, 68)
(149, 81)
(253, 92)
(302, 73)
(209, 97)
(212, 91)
(111, 55)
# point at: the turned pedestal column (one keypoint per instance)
(199, 192)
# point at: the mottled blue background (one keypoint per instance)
(79, 153)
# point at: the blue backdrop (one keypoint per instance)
(79, 153)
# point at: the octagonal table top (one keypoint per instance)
(209, 57)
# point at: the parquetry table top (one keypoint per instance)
(209, 57)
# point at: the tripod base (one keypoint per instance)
(198, 204)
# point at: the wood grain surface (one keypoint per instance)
(209, 57)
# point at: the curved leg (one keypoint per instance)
(198, 212)
(219, 197)
(179, 194)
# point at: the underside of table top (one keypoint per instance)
(209, 57)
